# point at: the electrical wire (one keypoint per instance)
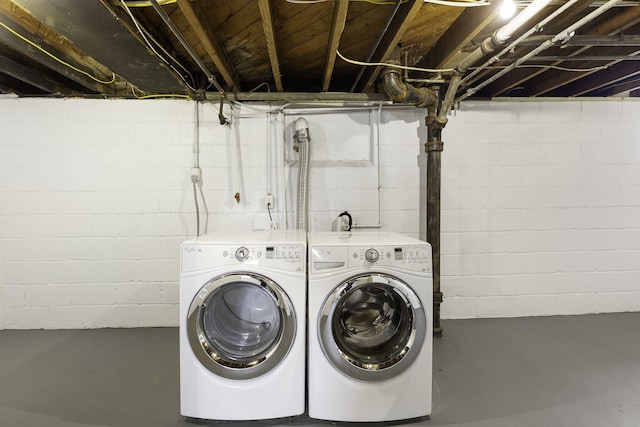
(143, 3)
(175, 60)
(162, 58)
(260, 85)
(51, 55)
(461, 3)
(195, 199)
(386, 64)
(554, 67)
(273, 226)
(377, 2)
(164, 95)
(454, 3)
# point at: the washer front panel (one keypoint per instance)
(372, 326)
(241, 325)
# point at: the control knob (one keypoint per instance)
(371, 255)
(242, 254)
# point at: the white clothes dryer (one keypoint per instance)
(370, 332)
(242, 325)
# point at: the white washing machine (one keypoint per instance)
(370, 331)
(242, 325)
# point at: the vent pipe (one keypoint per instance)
(405, 93)
(402, 92)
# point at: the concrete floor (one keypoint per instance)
(545, 371)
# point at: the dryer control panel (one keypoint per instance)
(282, 256)
(414, 258)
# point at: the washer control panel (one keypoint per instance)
(417, 258)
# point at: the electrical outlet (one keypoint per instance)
(196, 175)
(269, 201)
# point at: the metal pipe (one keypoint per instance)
(588, 58)
(167, 20)
(487, 46)
(589, 40)
(301, 136)
(434, 147)
(561, 36)
(399, 91)
(405, 93)
(516, 42)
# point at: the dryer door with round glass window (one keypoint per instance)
(241, 325)
(372, 326)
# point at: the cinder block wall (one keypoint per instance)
(540, 200)
(91, 211)
(541, 208)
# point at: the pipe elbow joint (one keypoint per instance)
(405, 93)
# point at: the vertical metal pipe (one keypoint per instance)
(433, 148)
(430, 98)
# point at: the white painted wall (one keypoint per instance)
(541, 209)
(540, 200)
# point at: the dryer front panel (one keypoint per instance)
(241, 325)
(372, 326)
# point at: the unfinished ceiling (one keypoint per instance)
(112, 48)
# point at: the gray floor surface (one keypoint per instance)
(543, 371)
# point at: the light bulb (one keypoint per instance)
(508, 9)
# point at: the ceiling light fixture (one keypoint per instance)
(508, 9)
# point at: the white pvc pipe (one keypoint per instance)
(505, 33)
(501, 36)
(562, 35)
(538, 27)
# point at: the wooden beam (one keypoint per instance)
(22, 22)
(389, 42)
(616, 72)
(19, 72)
(554, 79)
(340, 9)
(272, 46)
(468, 25)
(210, 41)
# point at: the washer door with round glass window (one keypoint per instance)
(241, 326)
(372, 326)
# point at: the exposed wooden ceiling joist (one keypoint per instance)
(209, 40)
(19, 72)
(388, 42)
(618, 72)
(272, 45)
(41, 43)
(554, 79)
(340, 9)
(292, 45)
(468, 25)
